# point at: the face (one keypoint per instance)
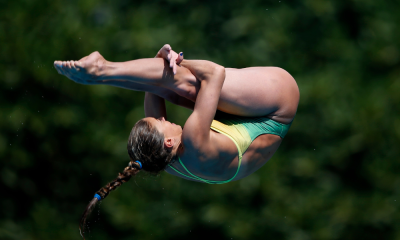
(169, 129)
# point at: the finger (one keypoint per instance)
(169, 55)
(174, 68)
(159, 54)
(180, 58)
(171, 61)
(167, 47)
(164, 51)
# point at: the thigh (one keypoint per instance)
(260, 91)
(255, 91)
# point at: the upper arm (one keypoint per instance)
(154, 106)
(212, 76)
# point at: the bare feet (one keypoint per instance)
(87, 70)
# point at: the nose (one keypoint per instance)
(162, 119)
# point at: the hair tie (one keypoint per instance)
(140, 164)
(97, 196)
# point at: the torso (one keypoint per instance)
(224, 164)
(277, 98)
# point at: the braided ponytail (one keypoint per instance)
(145, 143)
(132, 169)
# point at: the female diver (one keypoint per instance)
(256, 108)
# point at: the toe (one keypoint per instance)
(58, 65)
(64, 68)
(58, 69)
(61, 67)
(78, 64)
(75, 65)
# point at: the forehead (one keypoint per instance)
(149, 119)
(153, 122)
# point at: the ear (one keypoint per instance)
(169, 142)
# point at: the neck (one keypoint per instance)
(180, 148)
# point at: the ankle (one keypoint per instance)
(104, 70)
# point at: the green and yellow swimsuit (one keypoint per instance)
(242, 131)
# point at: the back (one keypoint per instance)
(242, 131)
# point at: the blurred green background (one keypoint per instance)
(335, 176)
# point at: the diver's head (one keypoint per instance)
(154, 142)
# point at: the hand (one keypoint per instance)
(171, 56)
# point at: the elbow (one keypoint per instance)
(219, 71)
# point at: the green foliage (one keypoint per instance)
(335, 175)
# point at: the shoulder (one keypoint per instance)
(217, 150)
(197, 147)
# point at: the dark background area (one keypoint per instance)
(335, 176)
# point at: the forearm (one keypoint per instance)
(202, 69)
(212, 77)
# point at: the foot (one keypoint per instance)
(87, 70)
